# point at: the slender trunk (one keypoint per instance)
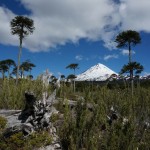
(8, 74)
(124, 83)
(19, 55)
(130, 60)
(132, 82)
(21, 74)
(30, 72)
(74, 87)
(129, 52)
(131, 70)
(3, 74)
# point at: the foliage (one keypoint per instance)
(71, 77)
(134, 66)
(73, 66)
(12, 96)
(25, 66)
(22, 26)
(54, 117)
(3, 68)
(19, 142)
(127, 37)
(3, 123)
(86, 129)
(9, 65)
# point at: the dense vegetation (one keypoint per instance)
(95, 128)
(84, 129)
(12, 96)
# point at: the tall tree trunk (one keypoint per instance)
(19, 55)
(130, 59)
(129, 52)
(131, 71)
(74, 86)
(30, 72)
(21, 73)
(132, 82)
(8, 73)
(3, 74)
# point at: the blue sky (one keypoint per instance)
(76, 31)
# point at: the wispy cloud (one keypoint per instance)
(107, 57)
(92, 57)
(79, 57)
(126, 52)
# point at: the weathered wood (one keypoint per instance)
(34, 117)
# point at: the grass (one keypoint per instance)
(12, 96)
(83, 129)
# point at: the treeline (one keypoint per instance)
(8, 68)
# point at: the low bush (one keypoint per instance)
(19, 142)
(3, 123)
(12, 96)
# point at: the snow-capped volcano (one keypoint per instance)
(98, 72)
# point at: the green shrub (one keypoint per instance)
(12, 96)
(3, 123)
(54, 117)
(19, 142)
(82, 129)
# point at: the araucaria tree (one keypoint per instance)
(27, 66)
(136, 68)
(3, 68)
(74, 67)
(9, 63)
(127, 39)
(22, 27)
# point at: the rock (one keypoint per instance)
(50, 147)
(11, 116)
(57, 146)
(27, 129)
(53, 129)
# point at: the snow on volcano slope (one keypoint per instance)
(98, 72)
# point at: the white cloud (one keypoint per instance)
(5, 32)
(106, 57)
(135, 15)
(58, 22)
(79, 57)
(126, 52)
